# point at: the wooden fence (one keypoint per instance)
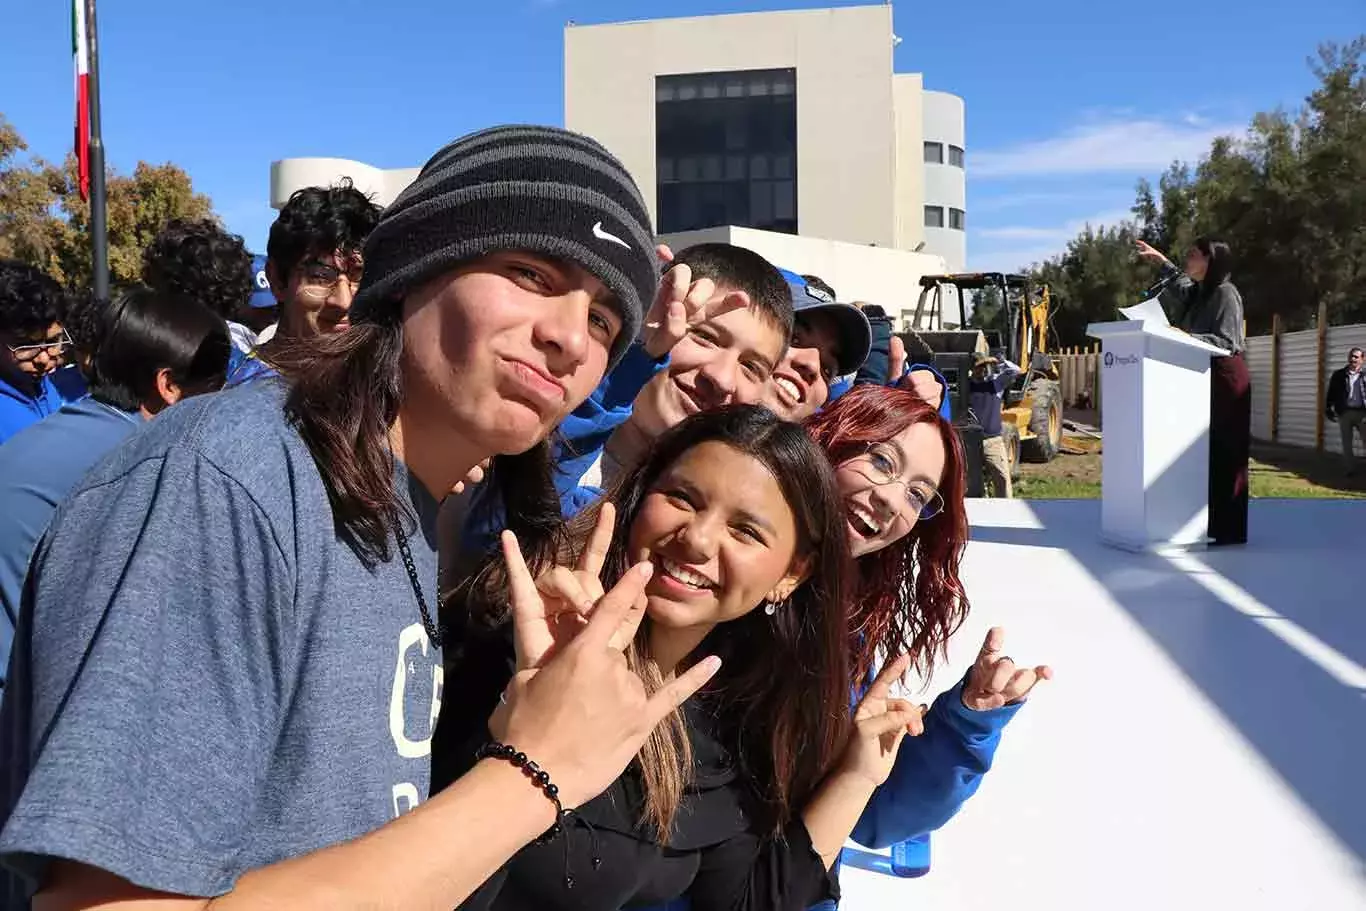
(1079, 376)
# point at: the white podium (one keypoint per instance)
(1154, 391)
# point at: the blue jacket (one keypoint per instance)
(935, 773)
(988, 395)
(18, 408)
(583, 434)
(38, 468)
(878, 364)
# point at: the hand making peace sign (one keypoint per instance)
(879, 726)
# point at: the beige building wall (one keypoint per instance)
(908, 107)
(846, 131)
(380, 184)
(874, 275)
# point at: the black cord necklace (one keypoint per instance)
(434, 631)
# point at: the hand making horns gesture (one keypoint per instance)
(995, 681)
(574, 706)
(564, 598)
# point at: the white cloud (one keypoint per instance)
(1018, 246)
(1021, 232)
(1011, 259)
(1137, 146)
(996, 202)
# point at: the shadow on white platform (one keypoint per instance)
(1204, 743)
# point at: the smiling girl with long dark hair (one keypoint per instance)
(745, 797)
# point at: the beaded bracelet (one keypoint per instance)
(539, 777)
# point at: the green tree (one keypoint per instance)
(986, 309)
(1095, 276)
(1289, 197)
(44, 221)
(28, 229)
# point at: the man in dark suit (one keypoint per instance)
(1345, 402)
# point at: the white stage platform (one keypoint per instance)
(1203, 745)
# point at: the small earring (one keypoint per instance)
(770, 608)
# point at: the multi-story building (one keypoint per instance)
(788, 130)
(791, 122)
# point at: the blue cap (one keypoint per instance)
(261, 296)
(856, 336)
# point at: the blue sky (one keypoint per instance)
(1068, 101)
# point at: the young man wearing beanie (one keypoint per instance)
(227, 668)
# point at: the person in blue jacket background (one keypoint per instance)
(34, 378)
(146, 353)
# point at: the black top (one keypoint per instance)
(714, 855)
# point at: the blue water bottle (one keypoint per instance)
(911, 858)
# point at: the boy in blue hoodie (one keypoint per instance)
(33, 347)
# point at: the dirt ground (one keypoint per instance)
(1276, 470)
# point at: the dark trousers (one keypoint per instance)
(1230, 432)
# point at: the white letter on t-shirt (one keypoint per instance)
(412, 636)
(438, 690)
(405, 798)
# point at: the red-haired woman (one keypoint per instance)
(899, 467)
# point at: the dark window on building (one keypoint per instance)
(955, 156)
(934, 153)
(726, 150)
(934, 216)
(956, 219)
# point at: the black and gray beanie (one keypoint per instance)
(540, 189)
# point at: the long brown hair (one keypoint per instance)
(344, 396)
(783, 690)
(908, 597)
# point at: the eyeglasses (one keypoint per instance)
(878, 465)
(321, 279)
(54, 348)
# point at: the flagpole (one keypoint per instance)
(99, 237)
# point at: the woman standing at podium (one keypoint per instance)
(1208, 306)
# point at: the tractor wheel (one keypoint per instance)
(1045, 421)
(1010, 436)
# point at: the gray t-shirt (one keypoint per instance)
(205, 679)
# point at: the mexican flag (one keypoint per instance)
(80, 48)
